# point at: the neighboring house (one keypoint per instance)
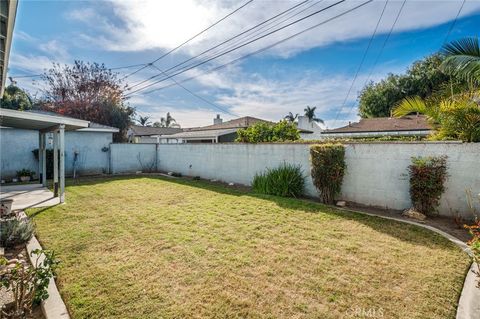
(149, 134)
(410, 125)
(86, 150)
(219, 132)
(8, 11)
(309, 130)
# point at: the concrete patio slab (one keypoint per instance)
(28, 195)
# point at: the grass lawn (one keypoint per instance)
(146, 247)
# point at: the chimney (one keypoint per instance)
(217, 120)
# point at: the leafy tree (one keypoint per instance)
(310, 114)
(269, 132)
(144, 120)
(290, 117)
(424, 79)
(16, 99)
(88, 91)
(167, 121)
(463, 58)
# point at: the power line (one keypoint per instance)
(452, 26)
(361, 62)
(267, 47)
(239, 46)
(381, 50)
(223, 42)
(262, 30)
(190, 39)
(196, 95)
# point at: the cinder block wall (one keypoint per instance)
(376, 173)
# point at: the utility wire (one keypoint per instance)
(267, 47)
(266, 27)
(239, 46)
(262, 30)
(382, 48)
(223, 42)
(452, 26)
(190, 39)
(361, 62)
(196, 95)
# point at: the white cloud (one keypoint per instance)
(165, 24)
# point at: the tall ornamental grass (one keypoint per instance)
(287, 180)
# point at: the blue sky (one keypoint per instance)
(316, 68)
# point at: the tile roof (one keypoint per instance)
(150, 130)
(203, 134)
(241, 122)
(385, 124)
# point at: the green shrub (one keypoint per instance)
(286, 180)
(328, 168)
(427, 179)
(15, 232)
(25, 172)
(262, 132)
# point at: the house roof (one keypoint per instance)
(205, 134)
(95, 127)
(138, 130)
(241, 122)
(385, 124)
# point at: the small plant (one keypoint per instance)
(196, 178)
(25, 174)
(15, 232)
(286, 180)
(27, 283)
(474, 244)
(328, 168)
(427, 179)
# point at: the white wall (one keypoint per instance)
(129, 158)
(376, 173)
(16, 148)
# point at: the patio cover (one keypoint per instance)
(45, 123)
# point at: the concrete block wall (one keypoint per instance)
(129, 158)
(376, 173)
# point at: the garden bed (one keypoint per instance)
(158, 247)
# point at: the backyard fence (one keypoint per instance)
(376, 172)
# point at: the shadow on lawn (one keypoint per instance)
(405, 232)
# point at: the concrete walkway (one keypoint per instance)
(28, 195)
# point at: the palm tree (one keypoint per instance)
(290, 117)
(463, 57)
(143, 120)
(167, 121)
(310, 114)
(456, 117)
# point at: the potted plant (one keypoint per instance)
(25, 175)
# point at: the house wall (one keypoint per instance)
(16, 148)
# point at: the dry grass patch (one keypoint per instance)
(156, 248)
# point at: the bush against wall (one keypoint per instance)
(427, 179)
(328, 168)
(269, 132)
(286, 180)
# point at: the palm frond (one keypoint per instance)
(463, 58)
(410, 105)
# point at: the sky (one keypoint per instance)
(320, 67)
